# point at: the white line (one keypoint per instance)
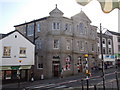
(72, 81)
(38, 86)
(63, 86)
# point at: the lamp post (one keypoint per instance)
(116, 74)
(101, 45)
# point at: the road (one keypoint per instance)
(96, 79)
(73, 82)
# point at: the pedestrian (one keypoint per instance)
(32, 77)
(61, 75)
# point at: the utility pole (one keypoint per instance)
(101, 45)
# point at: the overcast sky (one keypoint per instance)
(15, 12)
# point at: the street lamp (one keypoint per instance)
(101, 45)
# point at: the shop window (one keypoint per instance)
(14, 74)
(67, 63)
(8, 75)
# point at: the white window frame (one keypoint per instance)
(6, 51)
(22, 52)
(55, 26)
(109, 50)
(109, 40)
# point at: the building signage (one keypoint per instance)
(15, 67)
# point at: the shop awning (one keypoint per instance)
(15, 67)
(25, 67)
(5, 67)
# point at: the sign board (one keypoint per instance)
(15, 67)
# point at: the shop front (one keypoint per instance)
(10, 73)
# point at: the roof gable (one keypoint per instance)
(112, 33)
(81, 16)
(6, 35)
(56, 12)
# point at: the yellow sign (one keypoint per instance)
(86, 55)
(20, 61)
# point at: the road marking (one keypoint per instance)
(72, 81)
(40, 86)
(63, 86)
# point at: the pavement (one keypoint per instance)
(14, 86)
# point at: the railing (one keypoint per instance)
(96, 82)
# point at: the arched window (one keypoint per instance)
(81, 28)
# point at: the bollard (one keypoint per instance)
(95, 87)
(82, 84)
(87, 83)
(117, 80)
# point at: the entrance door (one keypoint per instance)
(56, 70)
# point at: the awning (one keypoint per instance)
(5, 67)
(15, 67)
(25, 67)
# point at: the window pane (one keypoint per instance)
(56, 44)
(22, 52)
(7, 51)
(30, 30)
(38, 27)
(81, 26)
(68, 44)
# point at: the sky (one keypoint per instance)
(15, 12)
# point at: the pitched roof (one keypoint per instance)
(32, 21)
(56, 12)
(114, 33)
(5, 35)
(83, 16)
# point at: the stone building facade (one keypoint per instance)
(61, 43)
(108, 49)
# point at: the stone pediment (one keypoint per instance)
(81, 16)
